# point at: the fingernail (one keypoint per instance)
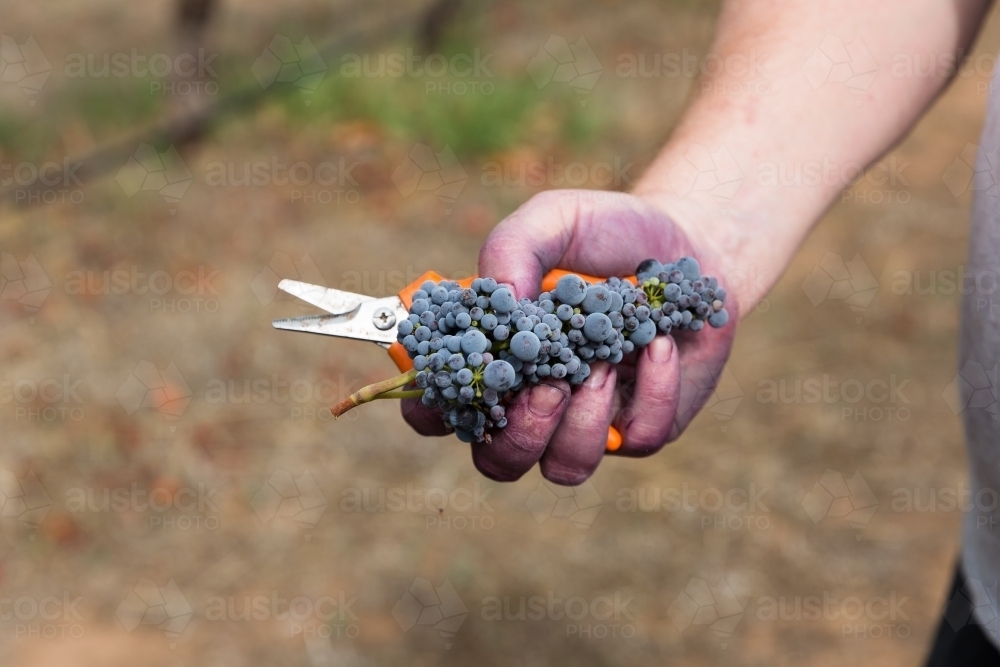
(660, 349)
(599, 373)
(545, 400)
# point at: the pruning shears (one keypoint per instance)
(374, 319)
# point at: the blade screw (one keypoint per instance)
(384, 318)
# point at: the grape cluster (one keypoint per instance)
(475, 347)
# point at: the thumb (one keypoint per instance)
(530, 242)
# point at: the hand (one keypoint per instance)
(647, 396)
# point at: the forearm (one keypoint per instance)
(786, 137)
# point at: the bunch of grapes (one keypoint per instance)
(473, 348)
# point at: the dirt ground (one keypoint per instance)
(175, 491)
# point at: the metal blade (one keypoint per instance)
(334, 301)
(375, 321)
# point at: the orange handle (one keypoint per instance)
(403, 362)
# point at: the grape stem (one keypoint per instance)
(401, 393)
(384, 389)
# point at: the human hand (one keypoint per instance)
(647, 396)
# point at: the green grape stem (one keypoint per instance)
(384, 389)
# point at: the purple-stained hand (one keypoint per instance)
(651, 396)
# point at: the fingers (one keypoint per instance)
(578, 445)
(647, 422)
(422, 419)
(524, 246)
(532, 417)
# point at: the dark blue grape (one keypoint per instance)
(643, 334)
(647, 268)
(525, 345)
(689, 267)
(571, 289)
(718, 319)
(474, 360)
(501, 332)
(429, 398)
(436, 362)
(597, 299)
(499, 375)
(597, 326)
(502, 300)
(474, 340)
(490, 397)
(439, 295)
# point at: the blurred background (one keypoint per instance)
(173, 487)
